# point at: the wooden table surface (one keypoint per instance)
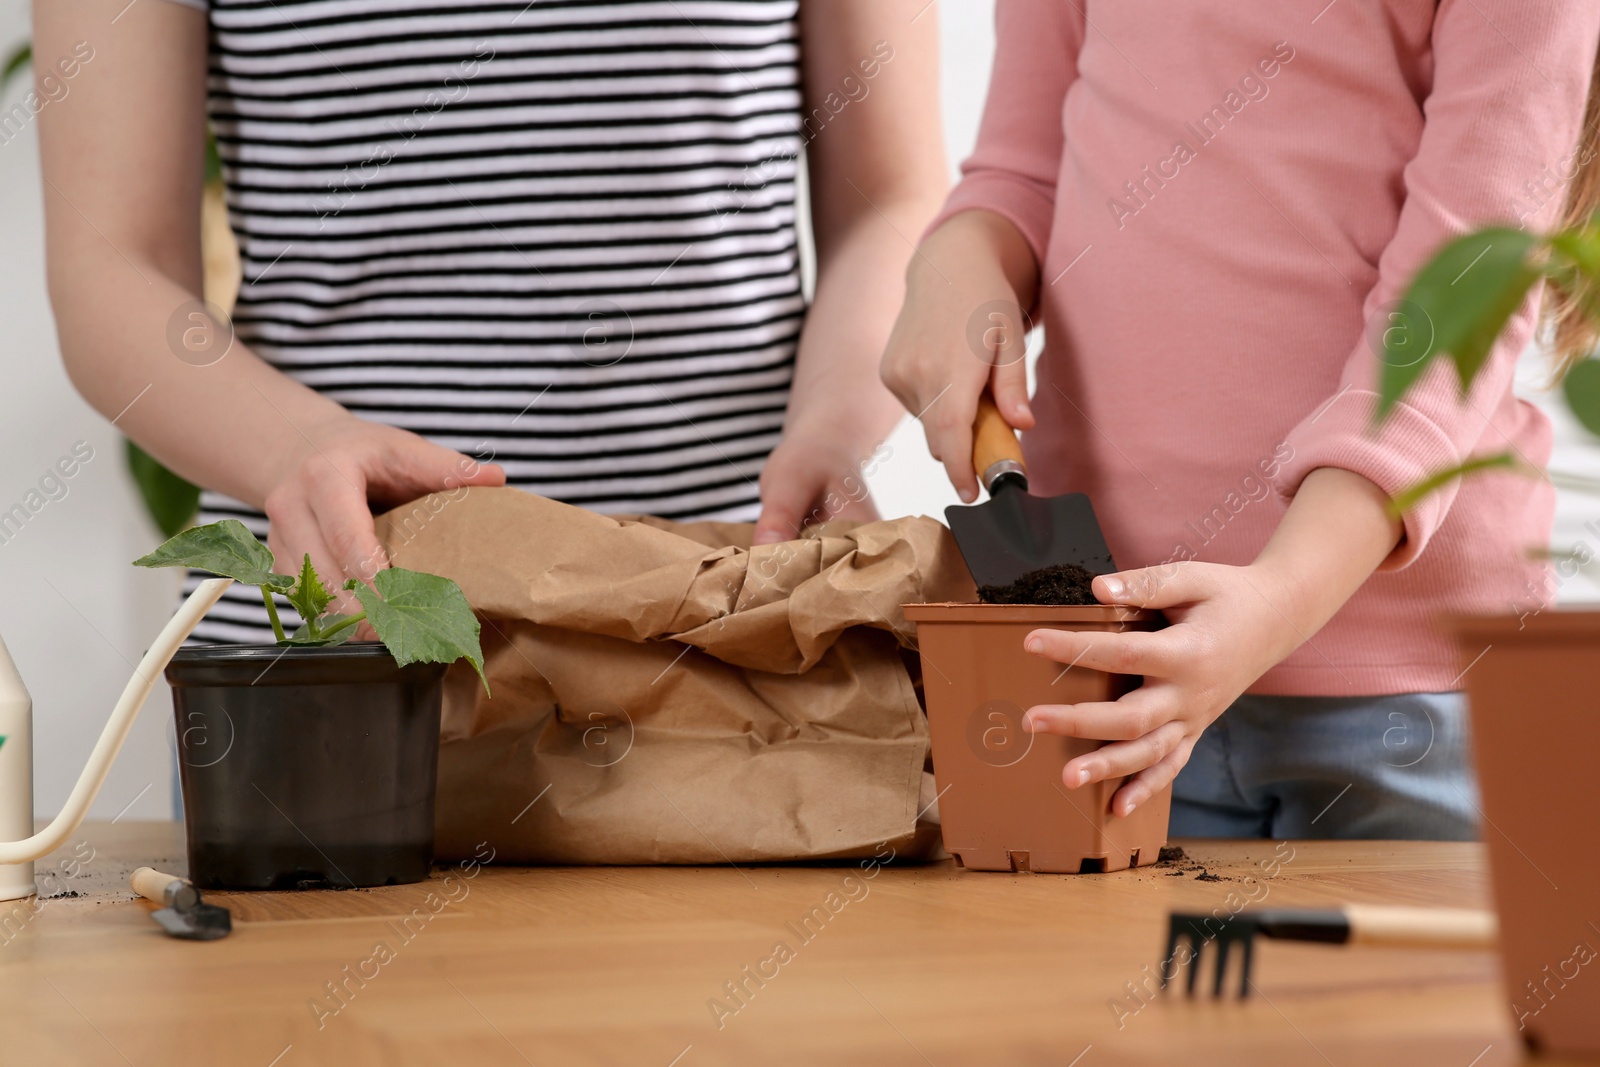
(916, 965)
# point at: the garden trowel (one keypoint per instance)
(1016, 532)
(184, 914)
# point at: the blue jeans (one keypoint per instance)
(1395, 767)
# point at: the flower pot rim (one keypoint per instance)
(230, 666)
(1047, 613)
(254, 653)
(1558, 625)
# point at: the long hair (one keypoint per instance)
(1570, 307)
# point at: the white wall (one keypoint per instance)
(75, 616)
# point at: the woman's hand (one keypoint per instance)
(962, 330)
(323, 504)
(1229, 626)
(818, 473)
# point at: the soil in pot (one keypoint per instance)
(306, 767)
(1064, 583)
(1002, 804)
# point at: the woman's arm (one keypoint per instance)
(122, 159)
(875, 156)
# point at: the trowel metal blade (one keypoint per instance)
(203, 922)
(1016, 532)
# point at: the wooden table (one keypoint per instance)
(916, 966)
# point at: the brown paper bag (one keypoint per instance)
(664, 693)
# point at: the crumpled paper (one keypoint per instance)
(665, 693)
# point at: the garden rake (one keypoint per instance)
(1368, 924)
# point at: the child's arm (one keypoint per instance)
(1230, 624)
(961, 327)
(1510, 80)
(975, 259)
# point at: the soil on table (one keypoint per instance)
(1174, 862)
(1065, 583)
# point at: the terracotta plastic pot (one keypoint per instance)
(306, 767)
(1534, 688)
(1002, 802)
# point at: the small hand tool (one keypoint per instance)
(183, 913)
(1367, 924)
(1015, 532)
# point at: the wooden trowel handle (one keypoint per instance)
(995, 448)
(167, 890)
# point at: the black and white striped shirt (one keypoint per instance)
(557, 235)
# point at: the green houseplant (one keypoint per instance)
(419, 618)
(1530, 677)
(313, 761)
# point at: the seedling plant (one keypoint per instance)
(419, 618)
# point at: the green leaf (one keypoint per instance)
(1581, 247)
(170, 500)
(1457, 305)
(213, 157)
(1410, 496)
(19, 58)
(1582, 387)
(422, 618)
(309, 596)
(224, 548)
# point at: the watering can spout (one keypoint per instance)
(19, 845)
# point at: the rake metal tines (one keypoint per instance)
(1189, 933)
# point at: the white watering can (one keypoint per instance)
(19, 845)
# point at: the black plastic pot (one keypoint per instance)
(306, 767)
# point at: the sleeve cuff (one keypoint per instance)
(1017, 200)
(1408, 449)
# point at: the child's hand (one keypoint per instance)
(961, 330)
(1230, 624)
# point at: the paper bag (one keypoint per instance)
(665, 693)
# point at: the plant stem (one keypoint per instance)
(343, 623)
(272, 613)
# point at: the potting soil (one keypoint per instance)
(1064, 583)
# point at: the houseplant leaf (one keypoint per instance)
(421, 618)
(1408, 497)
(1582, 387)
(226, 548)
(170, 500)
(21, 57)
(309, 596)
(213, 157)
(1463, 298)
(1582, 247)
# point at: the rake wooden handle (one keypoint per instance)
(1383, 924)
(994, 443)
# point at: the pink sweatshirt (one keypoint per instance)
(1222, 196)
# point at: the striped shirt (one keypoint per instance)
(558, 236)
